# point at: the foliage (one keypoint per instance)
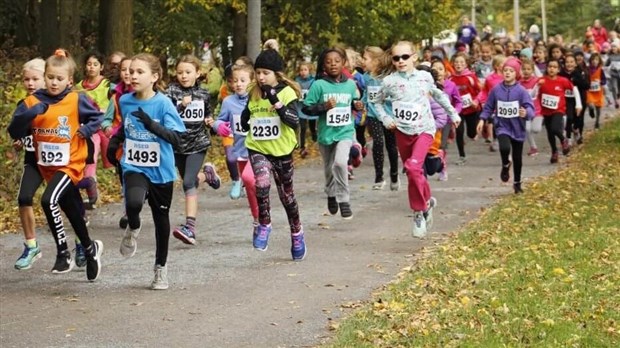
(539, 269)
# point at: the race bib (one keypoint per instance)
(142, 153)
(595, 86)
(28, 143)
(405, 112)
(550, 101)
(507, 109)
(373, 93)
(194, 111)
(237, 126)
(339, 116)
(467, 100)
(266, 128)
(53, 154)
(304, 94)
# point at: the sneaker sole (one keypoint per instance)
(183, 238)
(131, 253)
(160, 287)
(259, 249)
(34, 259)
(347, 217)
(301, 258)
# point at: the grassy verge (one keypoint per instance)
(539, 269)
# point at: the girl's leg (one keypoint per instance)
(283, 171)
(517, 159)
(313, 130)
(231, 163)
(376, 131)
(413, 150)
(91, 172)
(445, 135)
(190, 165)
(303, 126)
(471, 122)
(335, 158)
(261, 166)
(247, 176)
(504, 149)
(597, 117)
(392, 150)
(460, 137)
(160, 198)
(136, 188)
(59, 185)
(30, 181)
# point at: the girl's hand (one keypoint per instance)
(578, 111)
(186, 100)
(108, 132)
(391, 126)
(480, 126)
(522, 112)
(330, 104)
(209, 121)
(17, 144)
(358, 105)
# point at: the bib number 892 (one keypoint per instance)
(50, 157)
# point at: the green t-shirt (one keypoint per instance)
(268, 134)
(337, 123)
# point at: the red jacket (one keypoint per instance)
(469, 87)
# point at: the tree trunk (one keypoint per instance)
(26, 33)
(240, 37)
(254, 28)
(49, 38)
(69, 25)
(116, 26)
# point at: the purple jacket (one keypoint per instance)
(452, 91)
(440, 115)
(506, 119)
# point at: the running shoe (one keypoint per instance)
(28, 258)
(184, 234)
(160, 280)
(419, 225)
(80, 255)
(64, 263)
(93, 260)
(261, 237)
(298, 246)
(211, 176)
(345, 210)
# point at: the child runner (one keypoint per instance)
(484, 66)
(271, 119)
(192, 103)
(331, 97)
(376, 65)
(97, 88)
(581, 80)
(305, 79)
(596, 97)
(551, 95)
(405, 92)
(540, 59)
(227, 142)
(529, 81)
(60, 121)
(614, 71)
(495, 78)
(31, 178)
(509, 104)
(452, 91)
(151, 128)
(229, 122)
(469, 87)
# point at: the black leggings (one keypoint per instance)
(30, 182)
(189, 166)
(505, 144)
(137, 186)
(595, 113)
(578, 123)
(381, 135)
(571, 117)
(471, 121)
(61, 193)
(555, 128)
(304, 124)
(264, 166)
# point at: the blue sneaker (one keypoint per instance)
(211, 176)
(29, 256)
(80, 255)
(298, 246)
(235, 190)
(261, 237)
(184, 234)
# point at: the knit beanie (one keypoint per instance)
(515, 64)
(526, 52)
(269, 59)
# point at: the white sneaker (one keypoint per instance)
(394, 186)
(428, 214)
(129, 245)
(378, 185)
(419, 225)
(160, 281)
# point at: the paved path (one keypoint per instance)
(225, 294)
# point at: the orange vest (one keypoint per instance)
(57, 146)
(595, 93)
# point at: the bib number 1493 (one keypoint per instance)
(142, 153)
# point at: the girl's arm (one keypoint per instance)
(108, 117)
(456, 100)
(387, 120)
(90, 116)
(225, 114)
(442, 99)
(115, 142)
(245, 119)
(22, 116)
(528, 104)
(489, 107)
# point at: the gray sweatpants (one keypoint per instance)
(335, 160)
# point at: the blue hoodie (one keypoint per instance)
(305, 87)
(505, 117)
(234, 105)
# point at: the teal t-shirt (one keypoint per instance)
(337, 123)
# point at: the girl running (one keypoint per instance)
(530, 82)
(150, 130)
(596, 97)
(61, 121)
(305, 79)
(271, 119)
(581, 80)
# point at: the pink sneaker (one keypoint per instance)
(533, 151)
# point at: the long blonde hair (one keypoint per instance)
(383, 60)
(256, 93)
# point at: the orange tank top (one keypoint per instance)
(57, 145)
(595, 94)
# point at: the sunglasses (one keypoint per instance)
(404, 57)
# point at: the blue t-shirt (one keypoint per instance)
(143, 151)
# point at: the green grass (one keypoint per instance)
(539, 269)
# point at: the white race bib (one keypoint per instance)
(373, 93)
(266, 128)
(194, 111)
(53, 154)
(304, 94)
(406, 112)
(339, 116)
(142, 153)
(595, 86)
(467, 100)
(237, 126)
(28, 143)
(507, 109)
(550, 101)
